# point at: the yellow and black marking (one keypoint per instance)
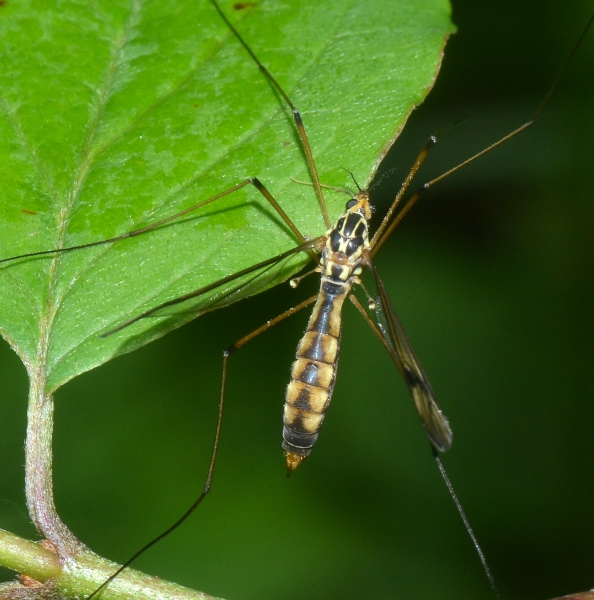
(343, 252)
(314, 371)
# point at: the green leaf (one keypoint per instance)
(115, 115)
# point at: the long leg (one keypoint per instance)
(434, 452)
(306, 246)
(209, 475)
(296, 116)
(247, 338)
(528, 123)
(382, 235)
(252, 180)
(416, 166)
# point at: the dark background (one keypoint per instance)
(491, 275)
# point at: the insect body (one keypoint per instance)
(344, 251)
(314, 372)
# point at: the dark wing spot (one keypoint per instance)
(412, 379)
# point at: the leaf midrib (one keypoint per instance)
(240, 142)
(52, 305)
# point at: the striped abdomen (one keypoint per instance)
(313, 373)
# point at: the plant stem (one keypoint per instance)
(81, 575)
(27, 557)
(38, 471)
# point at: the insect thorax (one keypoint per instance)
(346, 241)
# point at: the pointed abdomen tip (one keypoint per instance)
(293, 461)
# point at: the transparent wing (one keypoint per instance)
(400, 349)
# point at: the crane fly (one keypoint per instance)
(341, 254)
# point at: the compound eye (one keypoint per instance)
(351, 203)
